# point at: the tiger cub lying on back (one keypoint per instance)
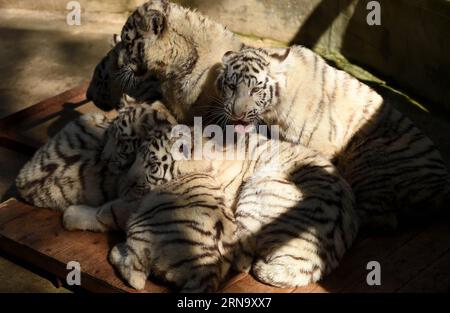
(294, 213)
(390, 164)
(82, 163)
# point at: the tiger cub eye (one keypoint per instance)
(231, 87)
(255, 90)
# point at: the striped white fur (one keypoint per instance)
(82, 163)
(105, 89)
(181, 233)
(390, 164)
(179, 47)
(68, 169)
(300, 216)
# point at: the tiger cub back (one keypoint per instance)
(181, 233)
(68, 168)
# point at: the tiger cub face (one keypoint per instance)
(249, 85)
(109, 84)
(135, 123)
(104, 90)
(153, 164)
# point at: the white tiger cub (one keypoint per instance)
(294, 213)
(82, 163)
(390, 164)
(178, 46)
(181, 233)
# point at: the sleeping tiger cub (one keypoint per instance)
(82, 163)
(181, 233)
(390, 164)
(294, 213)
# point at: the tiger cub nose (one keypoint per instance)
(238, 113)
(238, 116)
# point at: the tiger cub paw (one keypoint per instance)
(125, 265)
(77, 217)
(284, 273)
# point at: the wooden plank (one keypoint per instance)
(26, 146)
(14, 127)
(233, 279)
(412, 260)
(408, 261)
(353, 266)
(36, 235)
(435, 278)
(249, 284)
(27, 130)
(45, 109)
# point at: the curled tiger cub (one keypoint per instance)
(179, 47)
(392, 167)
(181, 233)
(295, 215)
(84, 161)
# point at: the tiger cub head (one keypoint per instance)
(135, 122)
(154, 161)
(106, 87)
(249, 85)
(144, 38)
(103, 89)
(153, 43)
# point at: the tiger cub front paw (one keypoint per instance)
(80, 217)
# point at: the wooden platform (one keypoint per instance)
(415, 259)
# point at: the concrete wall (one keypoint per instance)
(411, 48)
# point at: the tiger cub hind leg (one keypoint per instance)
(296, 228)
(130, 265)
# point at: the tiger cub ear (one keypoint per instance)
(227, 56)
(151, 22)
(162, 113)
(114, 40)
(279, 64)
(279, 55)
(127, 101)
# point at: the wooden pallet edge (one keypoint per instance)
(53, 266)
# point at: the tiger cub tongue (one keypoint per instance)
(242, 129)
